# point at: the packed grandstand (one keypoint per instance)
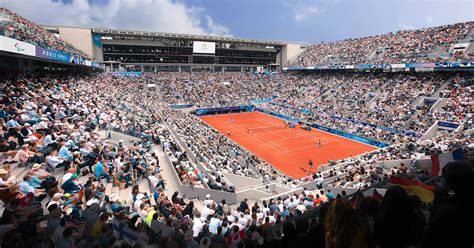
(96, 159)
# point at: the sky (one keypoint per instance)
(307, 21)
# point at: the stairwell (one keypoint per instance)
(446, 83)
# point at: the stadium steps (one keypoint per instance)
(159, 92)
(468, 38)
(443, 86)
(416, 115)
(166, 171)
(19, 172)
(329, 93)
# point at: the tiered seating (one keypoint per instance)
(61, 118)
(22, 29)
(406, 46)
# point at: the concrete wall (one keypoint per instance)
(81, 38)
(240, 182)
(253, 194)
(287, 193)
(289, 52)
(431, 132)
(191, 192)
(423, 163)
(350, 191)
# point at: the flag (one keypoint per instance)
(377, 196)
(26, 200)
(124, 233)
(440, 160)
(424, 191)
(355, 200)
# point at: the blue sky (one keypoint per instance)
(310, 21)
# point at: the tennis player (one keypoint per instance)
(228, 133)
(310, 168)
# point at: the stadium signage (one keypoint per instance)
(53, 55)
(126, 74)
(19, 47)
(430, 65)
(16, 46)
(209, 111)
(204, 47)
(448, 124)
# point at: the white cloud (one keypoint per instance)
(146, 15)
(216, 28)
(303, 9)
(429, 19)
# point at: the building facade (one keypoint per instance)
(123, 50)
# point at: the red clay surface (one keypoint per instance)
(288, 149)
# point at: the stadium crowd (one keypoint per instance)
(52, 123)
(405, 46)
(17, 27)
(377, 106)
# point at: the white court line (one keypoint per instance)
(301, 148)
(376, 148)
(299, 133)
(303, 132)
(263, 141)
(295, 131)
(269, 141)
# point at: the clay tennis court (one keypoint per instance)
(288, 149)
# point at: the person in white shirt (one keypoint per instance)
(208, 200)
(43, 124)
(242, 220)
(153, 179)
(48, 139)
(205, 211)
(68, 175)
(198, 224)
(236, 223)
(54, 161)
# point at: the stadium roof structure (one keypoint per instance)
(109, 31)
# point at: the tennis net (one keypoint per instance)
(267, 128)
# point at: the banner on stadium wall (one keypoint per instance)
(224, 110)
(97, 40)
(397, 66)
(430, 66)
(126, 73)
(53, 55)
(97, 65)
(364, 66)
(420, 65)
(16, 46)
(448, 124)
(179, 106)
(261, 100)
